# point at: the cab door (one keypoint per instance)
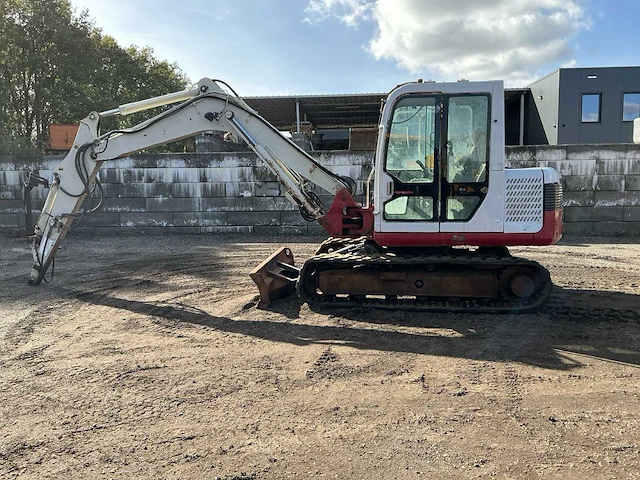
(411, 172)
(464, 181)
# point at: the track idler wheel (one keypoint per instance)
(521, 283)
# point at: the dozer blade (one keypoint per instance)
(276, 277)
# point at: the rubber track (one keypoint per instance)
(396, 261)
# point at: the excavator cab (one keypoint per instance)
(435, 169)
(440, 177)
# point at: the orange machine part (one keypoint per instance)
(61, 136)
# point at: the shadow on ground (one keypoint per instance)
(542, 339)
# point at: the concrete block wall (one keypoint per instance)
(180, 193)
(601, 184)
(235, 193)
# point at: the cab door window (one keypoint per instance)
(411, 140)
(466, 176)
(410, 160)
(467, 139)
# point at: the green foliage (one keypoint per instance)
(56, 67)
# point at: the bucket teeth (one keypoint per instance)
(276, 277)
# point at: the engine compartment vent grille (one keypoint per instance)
(524, 200)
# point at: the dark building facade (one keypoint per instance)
(583, 105)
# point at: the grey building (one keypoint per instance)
(582, 105)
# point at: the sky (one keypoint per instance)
(290, 47)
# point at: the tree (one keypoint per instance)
(56, 67)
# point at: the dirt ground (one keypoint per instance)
(146, 358)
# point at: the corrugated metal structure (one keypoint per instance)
(323, 111)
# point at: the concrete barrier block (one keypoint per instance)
(197, 190)
(12, 177)
(520, 154)
(239, 189)
(293, 219)
(110, 190)
(226, 175)
(315, 229)
(572, 167)
(171, 204)
(578, 183)
(173, 175)
(333, 158)
(227, 229)
(280, 230)
(613, 167)
(146, 219)
(172, 230)
(633, 151)
(263, 174)
(234, 160)
(101, 219)
(125, 205)
(579, 199)
(632, 214)
(273, 203)
(578, 228)
(121, 175)
(632, 229)
(632, 182)
(266, 189)
(9, 220)
(163, 175)
(253, 218)
(610, 199)
(520, 164)
(609, 228)
(12, 206)
(83, 230)
(107, 231)
(227, 204)
(614, 183)
(199, 219)
(145, 190)
(14, 192)
(596, 152)
(616, 199)
(593, 214)
(543, 153)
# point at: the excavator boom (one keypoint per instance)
(204, 107)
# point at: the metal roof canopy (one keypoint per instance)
(323, 111)
(332, 111)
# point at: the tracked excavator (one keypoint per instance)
(439, 212)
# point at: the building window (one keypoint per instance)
(591, 108)
(630, 107)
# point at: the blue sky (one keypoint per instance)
(286, 47)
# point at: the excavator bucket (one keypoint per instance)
(276, 277)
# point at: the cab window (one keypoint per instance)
(411, 140)
(467, 138)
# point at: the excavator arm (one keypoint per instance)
(203, 107)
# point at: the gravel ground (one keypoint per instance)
(146, 357)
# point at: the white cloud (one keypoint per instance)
(503, 39)
(349, 12)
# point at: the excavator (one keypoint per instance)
(439, 213)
